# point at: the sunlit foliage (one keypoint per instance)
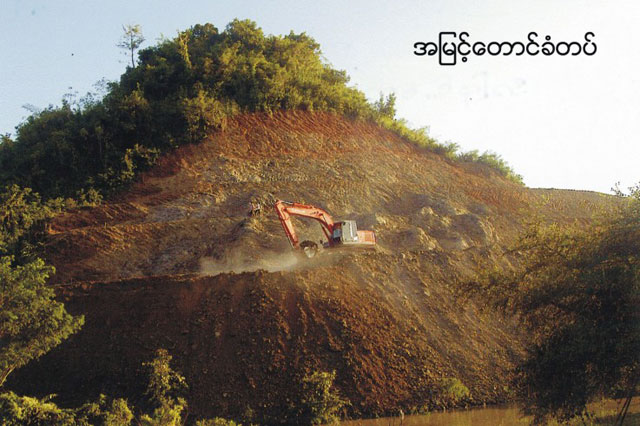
(577, 294)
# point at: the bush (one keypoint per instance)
(450, 392)
(164, 389)
(134, 160)
(319, 403)
(24, 410)
(204, 114)
(218, 421)
(23, 216)
(492, 160)
(27, 411)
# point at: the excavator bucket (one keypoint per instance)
(309, 248)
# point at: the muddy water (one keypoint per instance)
(492, 416)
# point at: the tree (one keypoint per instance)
(320, 404)
(25, 410)
(164, 389)
(386, 106)
(22, 217)
(131, 40)
(31, 321)
(577, 294)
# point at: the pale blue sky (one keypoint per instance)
(565, 122)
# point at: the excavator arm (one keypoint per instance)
(287, 209)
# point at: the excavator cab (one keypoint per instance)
(345, 232)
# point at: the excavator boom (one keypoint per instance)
(287, 209)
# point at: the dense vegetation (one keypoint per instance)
(32, 322)
(179, 91)
(318, 404)
(577, 293)
(163, 391)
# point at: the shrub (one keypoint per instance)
(22, 220)
(27, 411)
(165, 385)
(204, 114)
(218, 421)
(450, 392)
(493, 160)
(134, 160)
(319, 403)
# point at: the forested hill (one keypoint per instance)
(179, 91)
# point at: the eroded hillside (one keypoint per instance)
(176, 262)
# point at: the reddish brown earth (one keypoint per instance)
(176, 263)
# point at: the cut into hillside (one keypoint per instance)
(177, 262)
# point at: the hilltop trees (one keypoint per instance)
(577, 294)
(179, 91)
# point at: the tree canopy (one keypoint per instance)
(32, 322)
(179, 91)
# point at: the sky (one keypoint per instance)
(559, 121)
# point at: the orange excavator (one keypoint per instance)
(339, 234)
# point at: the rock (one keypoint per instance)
(416, 238)
(454, 242)
(475, 227)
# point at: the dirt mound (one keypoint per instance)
(246, 340)
(176, 262)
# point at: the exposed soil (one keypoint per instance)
(176, 262)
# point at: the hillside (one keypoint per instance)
(176, 262)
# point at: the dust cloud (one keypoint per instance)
(270, 262)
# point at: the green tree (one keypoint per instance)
(164, 389)
(386, 106)
(203, 114)
(131, 40)
(22, 219)
(577, 293)
(450, 391)
(31, 321)
(320, 404)
(25, 410)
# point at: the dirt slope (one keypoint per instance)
(176, 263)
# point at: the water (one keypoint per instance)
(491, 416)
(494, 416)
